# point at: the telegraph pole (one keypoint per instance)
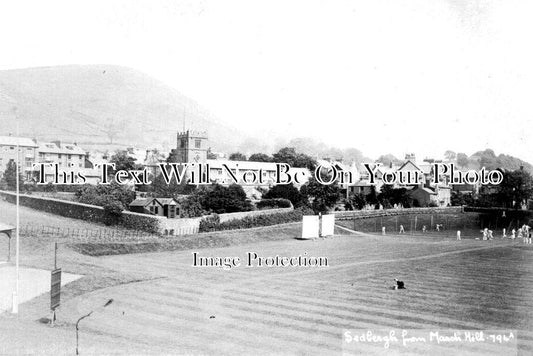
(16, 292)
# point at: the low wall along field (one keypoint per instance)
(245, 214)
(86, 212)
(131, 220)
(450, 219)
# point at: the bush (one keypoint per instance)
(285, 191)
(142, 222)
(191, 207)
(274, 203)
(101, 194)
(209, 223)
(212, 223)
(220, 199)
(112, 212)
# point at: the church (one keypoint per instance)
(192, 147)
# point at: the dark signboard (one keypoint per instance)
(55, 289)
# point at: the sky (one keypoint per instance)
(419, 76)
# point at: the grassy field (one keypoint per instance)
(470, 224)
(162, 305)
(462, 285)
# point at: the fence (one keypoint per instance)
(102, 235)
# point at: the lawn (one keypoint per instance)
(164, 305)
(180, 309)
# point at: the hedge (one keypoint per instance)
(362, 214)
(86, 212)
(212, 223)
(274, 203)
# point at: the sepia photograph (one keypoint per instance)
(246, 177)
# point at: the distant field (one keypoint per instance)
(469, 224)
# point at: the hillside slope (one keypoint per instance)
(100, 104)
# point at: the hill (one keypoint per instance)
(109, 107)
(101, 105)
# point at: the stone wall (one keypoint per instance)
(137, 221)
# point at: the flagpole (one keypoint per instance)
(16, 292)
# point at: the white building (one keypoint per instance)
(8, 151)
(66, 155)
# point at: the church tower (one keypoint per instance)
(191, 147)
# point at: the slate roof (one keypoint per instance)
(12, 141)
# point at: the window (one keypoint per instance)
(69, 156)
(197, 143)
(81, 156)
(59, 155)
(182, 143)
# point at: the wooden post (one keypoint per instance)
(55, 259)
(9, 248)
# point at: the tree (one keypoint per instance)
(290, 156)
(260, 157)
(323, 197)
(388, 159)
(450, 155)
(123, 161)
(191, 207)
(357, 201)
(160, 188)
(10, 175)
(113, 211)
(390, 196)
(285, 191)
(237, 156)
(103, 194)
(210, 154)
(219, 199)
(462, 160)
(459, 199)
(372, 197)
(516, 187)
(488, 159)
